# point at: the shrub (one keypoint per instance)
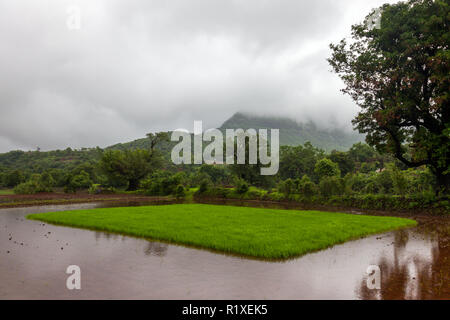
(146, 184)
(204, 185)
(28, 187)
(399, 181)
(306, 187)
(357, 182)
(219, 175)
(37, 183)
(109, 190)
(276, 196)
(254, 193)
(163, 184)
(384, 180)
(180, 192)
(241, 186)
(373, 187)
(309, 189)
(326, 168)
(287, 187)
(330, 186)
(169, 184)
(95, 189)
(13, 178)
(419, 180)
(78, 182)
(367, 167)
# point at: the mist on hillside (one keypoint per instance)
(166, 65)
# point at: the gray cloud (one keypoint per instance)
(139, 66)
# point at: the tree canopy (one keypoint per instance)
(399, 75)
(129, 167)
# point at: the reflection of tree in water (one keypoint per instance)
(410, 275)
(106, 235)
(156, 249)
(153, 248)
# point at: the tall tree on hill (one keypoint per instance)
(129, 167)
(399, 74)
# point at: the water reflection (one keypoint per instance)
(156, 249)
(414, 265)
(109, 236)
(416, 268)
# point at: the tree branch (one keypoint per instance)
(399, 153)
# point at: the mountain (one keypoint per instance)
(293, 133)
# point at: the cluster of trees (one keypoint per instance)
(86, 168)
(29, 182)
(39, 161)
(304, 170)
(398, 74)
(309, 171)
(387, 181)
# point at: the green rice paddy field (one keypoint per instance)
(255, 232)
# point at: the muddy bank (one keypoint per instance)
(12, 201)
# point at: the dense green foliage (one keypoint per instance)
(262, 233)
(126, 168)
(77, 182)
(399, 74)
(37, 183)
(307, 174)
(299, 160)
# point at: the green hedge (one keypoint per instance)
(368, 201)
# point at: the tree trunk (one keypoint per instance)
(133, 185)
(443, 182)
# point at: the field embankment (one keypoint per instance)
(16, 200)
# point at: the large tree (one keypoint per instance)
(129, 167)
(398, 73)
(295, 162)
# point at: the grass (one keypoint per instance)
(261, 233)
(6, 192)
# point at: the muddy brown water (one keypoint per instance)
(34, 256)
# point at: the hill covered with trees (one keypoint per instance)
(292, 133)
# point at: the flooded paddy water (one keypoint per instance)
(34, 256)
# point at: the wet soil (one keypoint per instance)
(16, 200)
(34, 256)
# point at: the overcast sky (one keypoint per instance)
(136, 66)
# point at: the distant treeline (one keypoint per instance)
(306, 174)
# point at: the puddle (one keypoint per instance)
(34, 256)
